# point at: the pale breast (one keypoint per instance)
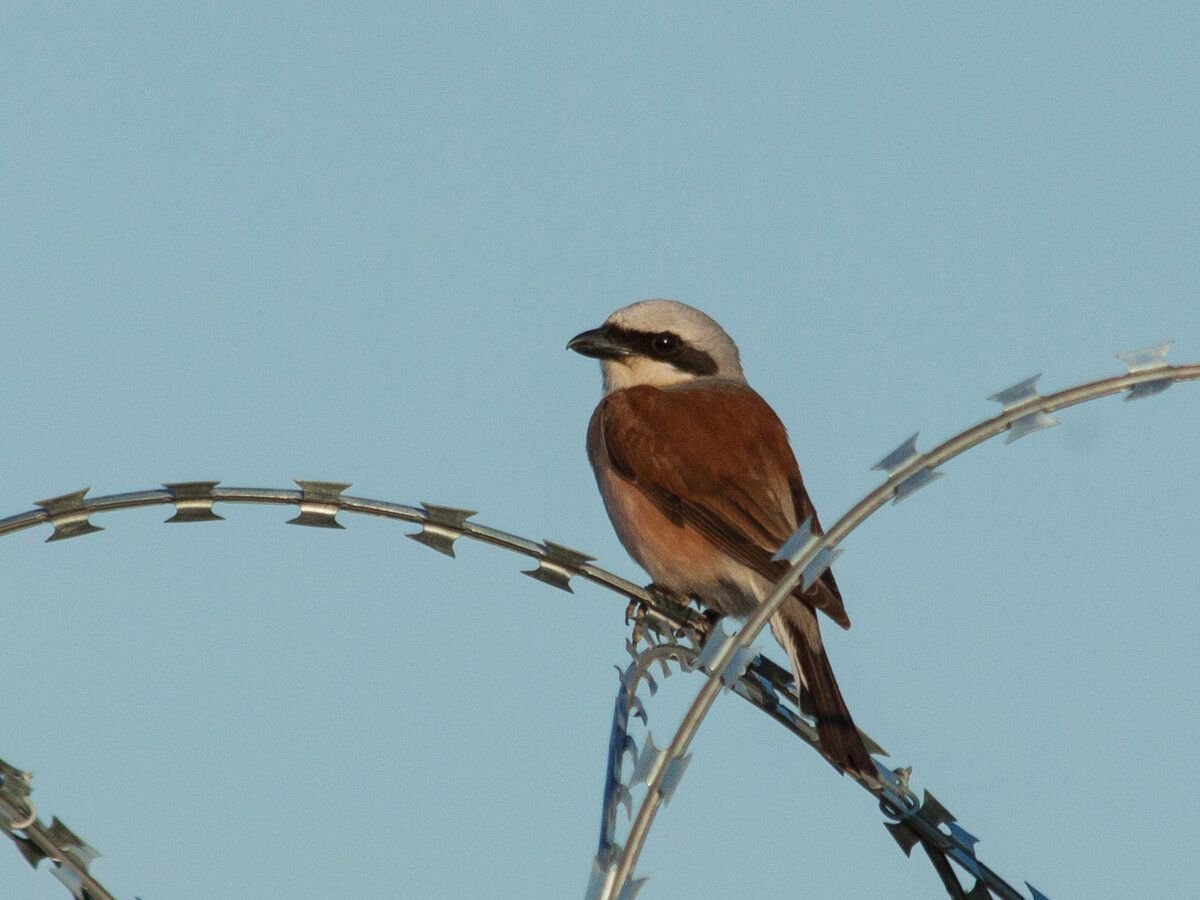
(678, 558)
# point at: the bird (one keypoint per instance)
(699, 480)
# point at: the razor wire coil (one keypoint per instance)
(726, 657)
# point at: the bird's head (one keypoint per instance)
(659, 343)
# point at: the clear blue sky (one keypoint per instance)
(256, 242)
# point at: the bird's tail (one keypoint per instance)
(795, 627)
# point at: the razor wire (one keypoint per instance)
(726, 657)
(70, 854)
(919, 821)
(1023, 412)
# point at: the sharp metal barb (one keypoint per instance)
(794, 544)
(80, 852)
(566, 555)
(962, 837)
(1034, 893)
(629, 748)
(914, 483)
(967, 861)
(819, 565)
(904, 836)
(737, 665)
(623, 677)
(873, 746)
(933, 812)
(621, 707)
(717, 638)
(797, 722)
(674, 774)
(632, 888)
(649, 760)
(1147, 359)
(602, 871)
(70, 878)
(624, 798)
(979, 892)
(1035, 421)
(1018, 393)
(665, 665)
(443, 526)
(902, 456)
(558, 565)
(32, 852)
(650, 683)
(600, 882)
(1152, 357)
(319, 503)
(1147, 389)
(898, 457)
(945, 871)
(69, 515)
(193, 501)
(757, 689)
(638, 710)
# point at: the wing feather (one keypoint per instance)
(716, 458)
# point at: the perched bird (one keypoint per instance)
(702, 487)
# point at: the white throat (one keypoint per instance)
(633, 371)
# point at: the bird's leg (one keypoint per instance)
(635, 612)
(661, 613)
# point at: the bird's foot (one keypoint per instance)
(673, 613)
(666, 598)
(661, 614)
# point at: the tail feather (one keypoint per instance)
(796, 628)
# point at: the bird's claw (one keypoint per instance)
(688, 621)
(635, 612)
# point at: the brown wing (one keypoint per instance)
(717, 459)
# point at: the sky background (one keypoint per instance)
(258, 242)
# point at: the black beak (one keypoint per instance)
(598, 344)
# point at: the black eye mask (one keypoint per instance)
(664, 345)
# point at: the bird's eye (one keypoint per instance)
(665, 344)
